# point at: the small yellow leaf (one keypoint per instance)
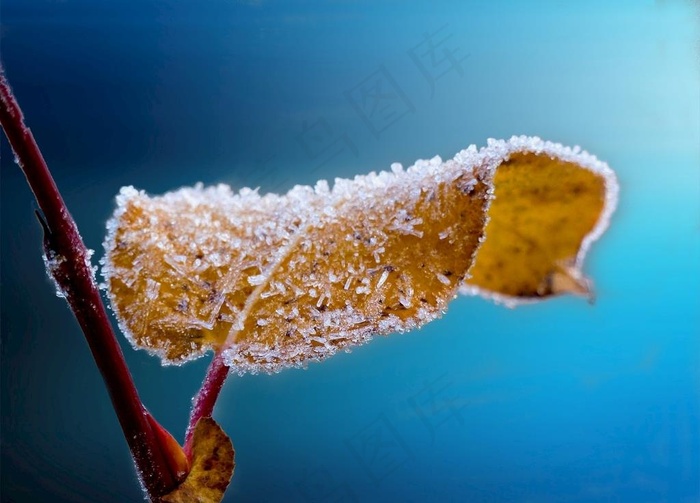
(275, 281)
(211, 466)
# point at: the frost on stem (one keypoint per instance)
(278, 280)
(55, 265)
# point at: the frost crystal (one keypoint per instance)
(52, 263)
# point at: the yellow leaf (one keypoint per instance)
(211, 466)
(276, 280)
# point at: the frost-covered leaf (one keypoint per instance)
(211, 469)
(279, 280)
(283, 279)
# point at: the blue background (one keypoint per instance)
(555, 402)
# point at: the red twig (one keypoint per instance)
(69, 262)
(203, 403)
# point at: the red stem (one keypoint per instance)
(74, 276)
(203, 403)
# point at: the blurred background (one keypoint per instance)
(554, 402)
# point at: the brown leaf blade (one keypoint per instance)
(279, 280)
(211, 469)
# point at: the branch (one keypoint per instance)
(204, 401)
(68, 262)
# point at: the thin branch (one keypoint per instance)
(203, 403)
(68, 261)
